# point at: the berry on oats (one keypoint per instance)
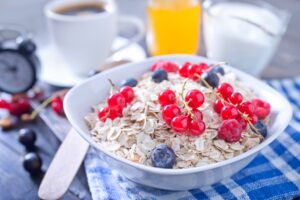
(128, 93)
(229, 112)
(103, 113)
(262, 128)
(116, 101)
(196, 128)
(218, 105)
(184, 70)
(163, 156)
(211, 78)
(179, 124)
(226, 90)
(165, 65)
(219, 70)
(195, 71)
(129, 82)
(194, 98)
(261, 108)
(159, 75)
(169, 112)
(230, 130)
(246, 108)
(236, 98)
(167, 97)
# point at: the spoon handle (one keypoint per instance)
(63, 167)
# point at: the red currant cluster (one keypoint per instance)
(116, 102)
(168, 66)
(237, 113)
(18, 105)
(192, 71)
(189, 120)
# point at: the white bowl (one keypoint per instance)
(79, 100)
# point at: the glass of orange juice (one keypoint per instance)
(173, 26)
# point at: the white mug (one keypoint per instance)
(85, 42)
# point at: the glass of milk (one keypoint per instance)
(243, 33)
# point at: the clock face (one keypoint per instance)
(17, 72)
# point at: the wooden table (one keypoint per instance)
(15, 183)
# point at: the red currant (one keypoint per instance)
(196, 128)
(218, 105)
(253, 119)
(128, 93)
(4, 104)
(203, 66)
(230, 130)
(116, 101)
(226, 90)
(103, 113)
(195, 71)
(194, 98)
(229, 112)
(115, 113)
(184, 70)
(243, 122)
(236, 98)
(246, 108)
(198, 115)
(169, 112)
(261, 108)
(165, 65)
(179, 123)
(57, 105)
(167, 97)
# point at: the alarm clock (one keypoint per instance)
(19, 65)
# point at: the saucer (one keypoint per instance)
(57, 73)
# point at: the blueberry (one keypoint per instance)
(27, 47)
(32, 163)
(211, 78)
(163, 156)
(262, 128)
(27, 137)
(159, 76)
(218, 70)
(129, 82)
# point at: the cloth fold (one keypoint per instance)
(273, 174)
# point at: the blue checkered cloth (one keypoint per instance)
(273, 174)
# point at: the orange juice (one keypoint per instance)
(173, 26)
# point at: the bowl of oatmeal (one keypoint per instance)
(177, 122)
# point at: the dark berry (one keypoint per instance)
(218, 70)
(32, 163)
(211, 78)
(262, 128)
(159, 76)
(27, 47)
(129, 82)
(163, 156)
(27, 137)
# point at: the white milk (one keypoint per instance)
(240, 43)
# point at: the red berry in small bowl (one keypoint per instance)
(246, 108)
(194, 98)
(184, 70)
(229, 112)
(169, 112)
(195, 71)
(103, 113)
(230, 130)
(116, 101)
(218, 105)
(57, 105)
(196, 128)
(179, 124)
(128, 93)
(236, 98)
(225, 89)
(167, 97)
(261, 108)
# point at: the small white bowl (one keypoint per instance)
(79, 100)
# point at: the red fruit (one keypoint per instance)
(198, 115)
(128, 93)
(242, 122)
(261, 108)
(203, 66)
(218, 105)
(184, 70)
(165, 65)
(4, 104)
(229, 112)
(169, 112)
(115, 113)
(195, 71)
(116, 101)
(103, 113)
(167, 97)
(246, 108)
(57, 105)
(179, 123)
(19, 106)
(253, 119)
(236, 98)
(226, 90)
(230, 130)
(196, 128)
(194, 98)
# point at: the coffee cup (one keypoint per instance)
(83, 31)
